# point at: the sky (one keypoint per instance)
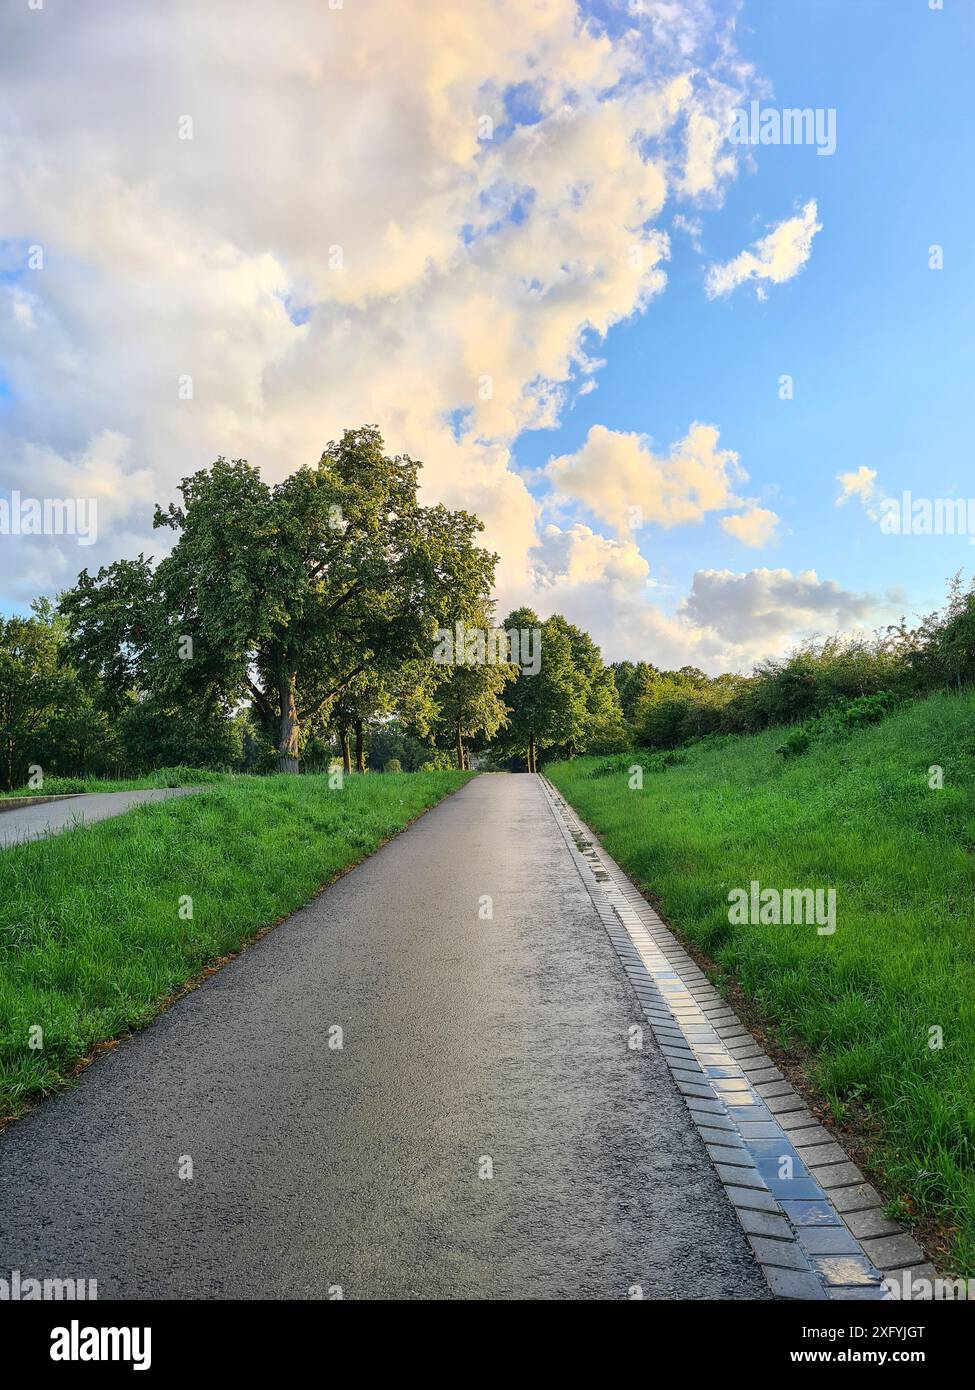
(676, 374)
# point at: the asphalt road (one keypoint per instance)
(465, 1039)
(34, 822)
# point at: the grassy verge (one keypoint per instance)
(162, 777)
(855, 813)
(92, 942)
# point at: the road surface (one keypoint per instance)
(483, 1131)
(34, 822)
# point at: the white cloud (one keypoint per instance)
(754, 527)
(471, 275)
(727, 622)
(861, 484)
(620, 479)
(764, 606)
(774, 259)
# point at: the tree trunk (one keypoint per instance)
(288, 732)
(460, 748)
(346, 752)
(531, 752)
(360, 750)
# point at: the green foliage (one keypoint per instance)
(393, 765)
(839, 719)
(286, 593)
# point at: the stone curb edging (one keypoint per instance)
(19, 803)
(820, 1232)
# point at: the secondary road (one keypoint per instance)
(483, 1131)
(34, 822)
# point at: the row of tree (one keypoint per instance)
(293, 621)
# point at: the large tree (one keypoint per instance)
(545, 706)
(284, 594)
(468, 696)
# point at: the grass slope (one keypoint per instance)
(91, 938)
(161, 777)
(855, 813)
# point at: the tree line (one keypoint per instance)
(293, 623)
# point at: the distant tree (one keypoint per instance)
(48, 717)
(599, 724)
(470, 701)
(283, 595)
(544, 707)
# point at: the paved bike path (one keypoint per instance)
(471, 1045)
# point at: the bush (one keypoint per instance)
(837, 720)
(393, 765)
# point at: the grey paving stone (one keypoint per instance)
(783, 1253)
(808, 1134)
(763, 1077)
(720, 1136)
(765, 1223)
(815, 1213)
(719, 1123)
(893, 1252)
(838, 1175)
(872, 1222)
(761, 1130)
(844, 1269)
(752, 1198)
(794, 1283)
(741, 1177)
(856, 1198)
(781, 1105)
(828, 1240)
(815, 1155)
(689, 1088)
(709, 1106)
(723, 1153)
(682, 1073)
(775, 1088)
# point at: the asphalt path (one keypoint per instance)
(483, 1131)
(50, 817)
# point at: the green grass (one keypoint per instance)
(91, 938)
(161, 777)
(856, 813)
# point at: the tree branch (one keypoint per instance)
(313, 709)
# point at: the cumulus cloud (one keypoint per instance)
(620, 479)
(763, 606)
(774, 259)
(320, 218)
(862, 484)
(754, 527)
(727, 622)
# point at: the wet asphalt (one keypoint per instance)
(470, 1046)
(50, 817)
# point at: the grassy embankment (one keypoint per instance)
(162, 777)
(855, 812)
(92, 943)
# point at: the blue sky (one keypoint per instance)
(880, 347)
(338, 242)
